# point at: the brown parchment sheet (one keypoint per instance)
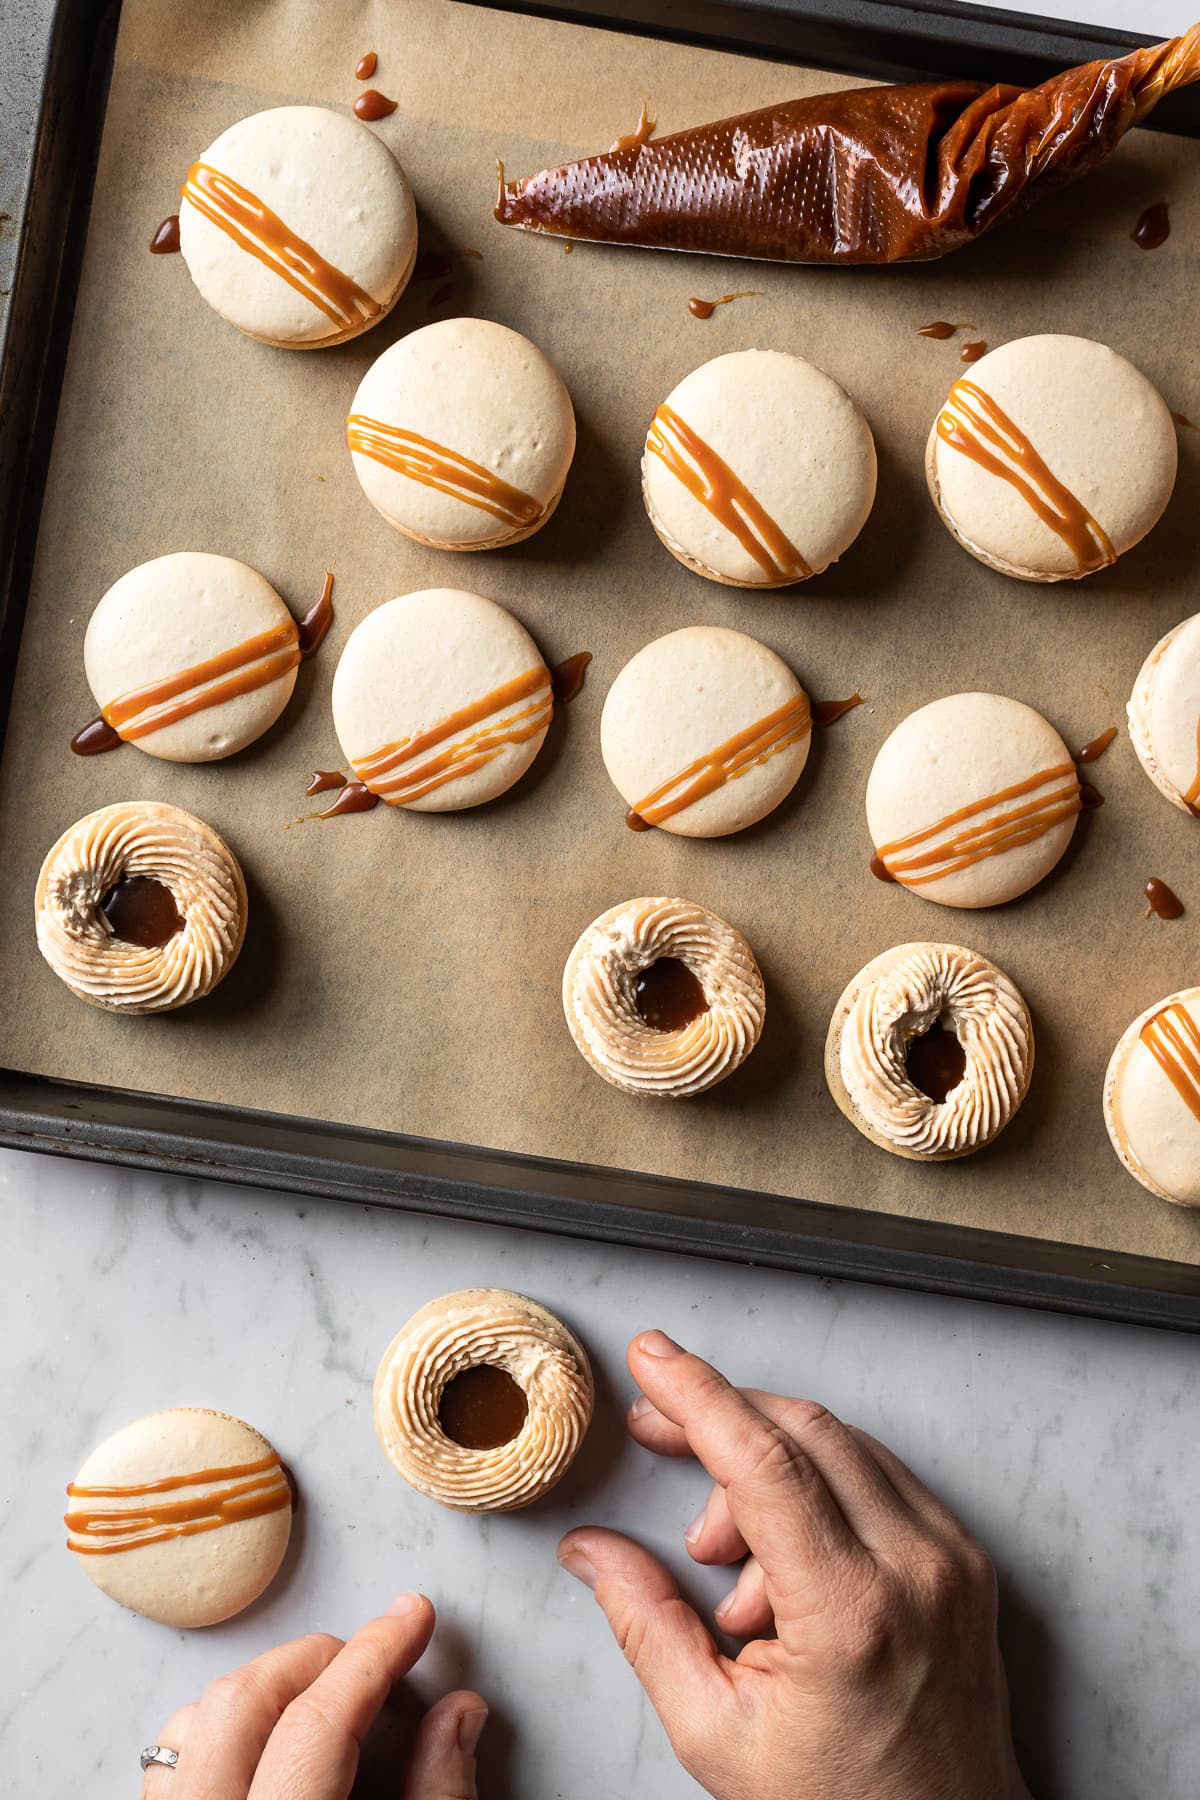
(403, 971)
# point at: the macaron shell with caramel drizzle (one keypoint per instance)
(336, 186)
(469, 389)
(968, 751)
(1164, 715)
(684, 698)
(408, 672)
(1100, 427)
(1152, 1119)
(794, 438)
(209, 1575)
(177, 613)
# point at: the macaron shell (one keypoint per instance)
(485, 393)
(211, 1575)
(1164, 714)
(169, 615)
(417, 660)
(1153, 1130)
(950, 754)
(683, 697)
(335, 185)
(1101, 428)
(793, 437)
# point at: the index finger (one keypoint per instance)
(777, 1496)
(319, 1734)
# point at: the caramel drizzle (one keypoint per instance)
(420, 773)
(446, 470)
(261, 233)
(713, 483)
(788, 724)
(1173, 1040)
(1192, 798)
(254, 664)
(983, 837)
(245, 1491)
(972, 423)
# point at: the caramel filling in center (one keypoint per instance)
(482, 1408)
(935, 1062)
(668, 996)
(142, 911)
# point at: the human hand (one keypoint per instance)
(884, 1680)
(288, 1725)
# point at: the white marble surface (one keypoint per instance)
(1071, 1447)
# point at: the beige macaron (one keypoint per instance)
(1051, 457)
(1152, 1098)
(929, 1051)
(298, 226)
(183, 1516)
(441, 700)
(1164, 716)
(462, 434)
(971, 800)
(482, 1400)
(758, 470)
(191, 656)
(704, 732)
(663, 998)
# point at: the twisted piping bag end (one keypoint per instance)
(1172, 65)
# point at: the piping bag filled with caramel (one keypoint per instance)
(867, 175)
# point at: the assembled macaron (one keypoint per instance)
(462, 434)
(441, 700)
(298, 226)
(1164, 716)
(704, 732)
(183, 1516)
(759, 470)
(1152, 1098)
(1051, 458)
(971, 800)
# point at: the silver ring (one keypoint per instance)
(159, 1753)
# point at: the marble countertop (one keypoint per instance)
(1071, 1447)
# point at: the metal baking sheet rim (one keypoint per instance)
(192, 1139)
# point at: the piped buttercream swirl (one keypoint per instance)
(477, 1328)
(599, 997)
(168, 845)
(900, 998)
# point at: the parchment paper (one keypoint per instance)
(403, 971)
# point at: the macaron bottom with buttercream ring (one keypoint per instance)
(929, 1051)
(1051, 457)
(482, 1400)
(1152, 1098)
(758, 470)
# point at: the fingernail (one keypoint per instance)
(641, 1407)
(723, 1606)
(577, 1564)
(657, 1343)
(470, 1729)
(692, 1534)
(404, 1604)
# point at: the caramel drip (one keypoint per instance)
(713, 483)
(366, 66)
(828, 712)
(436, 467)
(942, 329)
(567, 677)
(1192, 798)
(635, 820)
(972, 352)
(984, 837)
(254, 664)
(788, 724)
(322, 781)
(94, 738)
(354, 798)
(1098, 746)
(973, 424)
(642, 132)
(314, 626)
(1173, 1040)
(1153, 227)
(420, 773)
(1161, 900)
(704, 309)
(372, 105)
(263, 234)
(880, 870)
(165, 241)
(245, 1491)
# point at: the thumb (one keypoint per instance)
(670, 1651)
(442, 1763)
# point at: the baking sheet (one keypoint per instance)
(403, 971)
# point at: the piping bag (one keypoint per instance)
(866, 175)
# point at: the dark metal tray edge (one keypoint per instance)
(268, 1151)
